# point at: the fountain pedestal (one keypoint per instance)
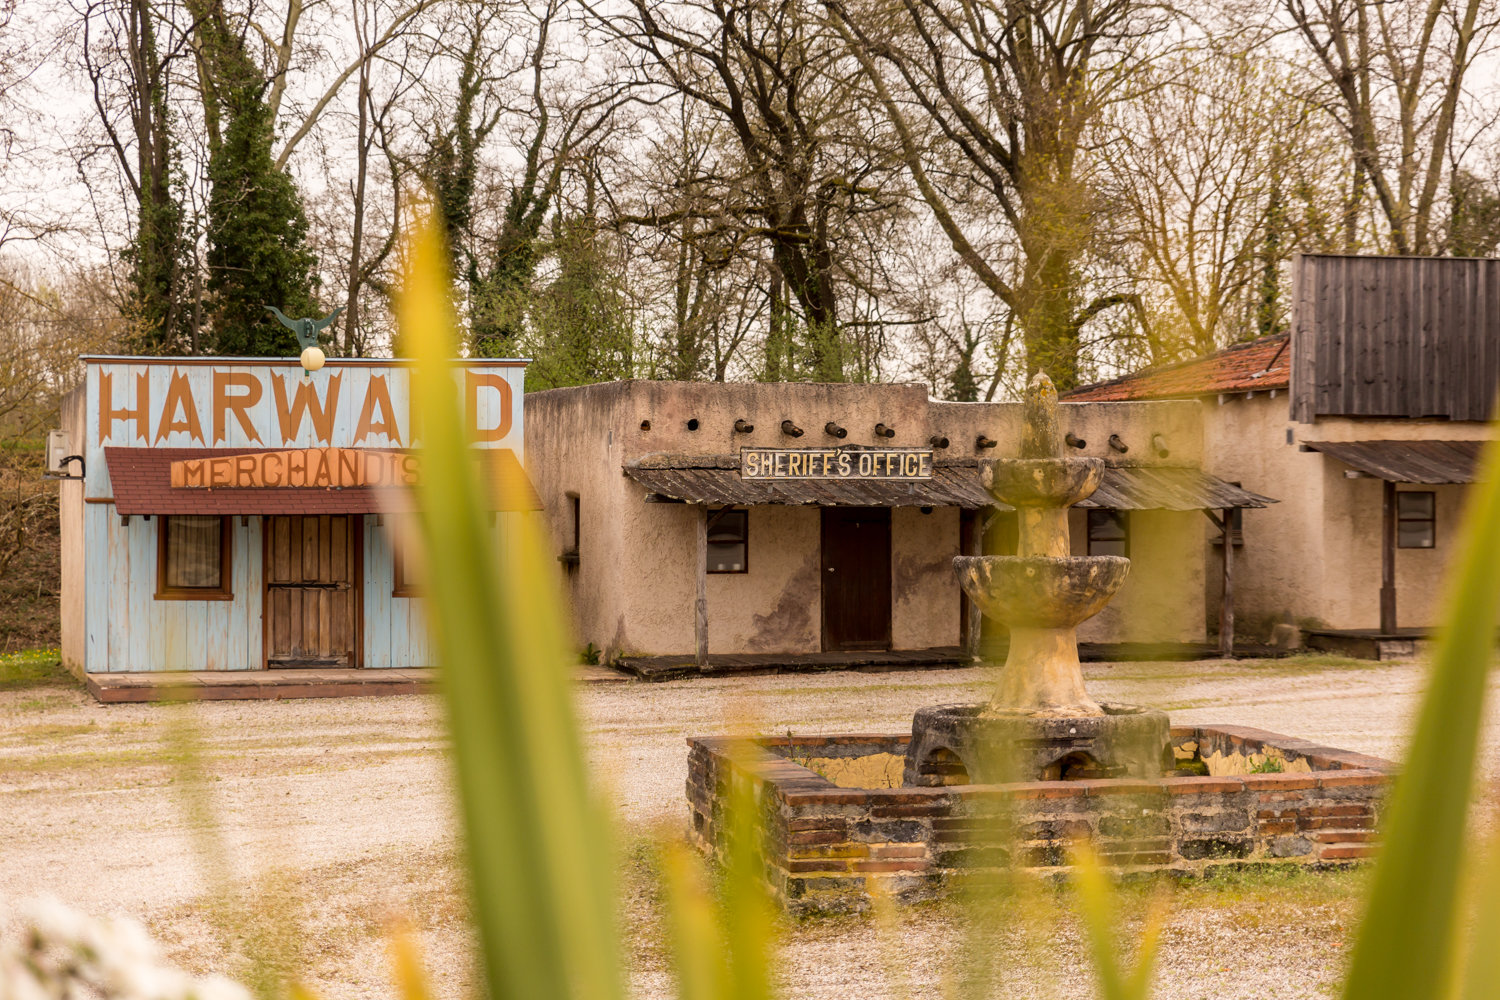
(1041, 723)
(962, 744)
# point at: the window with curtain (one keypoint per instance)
(406, 557)
(193, 557)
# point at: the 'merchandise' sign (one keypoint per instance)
(835, 463)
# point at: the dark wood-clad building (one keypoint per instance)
(1366, 420)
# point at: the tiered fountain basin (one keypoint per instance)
(840, 824)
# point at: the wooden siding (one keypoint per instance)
(70, 515)
(395, 627)
(129, 629)
(124, 627)
(1395, 337)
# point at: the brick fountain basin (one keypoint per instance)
(839, 823)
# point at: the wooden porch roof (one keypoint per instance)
(1422, 462)
(715, 479)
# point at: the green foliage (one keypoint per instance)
(256, 235)
(1405, 946)
(580, 323)
(33, 668)
(1474, 226)
(539, 859)
(157, 267)
(1271, 765)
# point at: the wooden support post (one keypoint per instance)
(1226, 598)
(975, 622)
(1388, 560)
(700, 611)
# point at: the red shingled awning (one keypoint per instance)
(141, 480)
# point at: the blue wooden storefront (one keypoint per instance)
(153, 431)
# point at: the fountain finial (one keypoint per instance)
(1041, 435)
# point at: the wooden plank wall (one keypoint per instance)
(395, 627)
(1395, 337)
(129, 629)
(396, 633)
(125, 627)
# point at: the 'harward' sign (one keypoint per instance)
(835, 463)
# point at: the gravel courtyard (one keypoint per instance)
(336, 817)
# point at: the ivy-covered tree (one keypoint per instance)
(579, 328)
(257, 227)
(139, 128)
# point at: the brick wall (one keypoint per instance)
(827, 847)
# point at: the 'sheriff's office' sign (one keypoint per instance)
(835, 463)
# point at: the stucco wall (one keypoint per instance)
(777, 606)
(573, 446)
(1315, 556)
(634, 588)
(1162, 598)
(1178, 422)
(925, 605)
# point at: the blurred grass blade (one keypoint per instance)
(1481, 979)
(406, 962)
(748, 917)
(723, 951)
(1096, 901)
(1404, 946)
(888, 931)
(538, 852)
(697, 950)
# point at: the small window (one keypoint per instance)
(1416, 519)
(569, 556)
(1109, 533)
(192, 558)
(403, 574)
(729, 541)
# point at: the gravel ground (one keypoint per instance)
(338, 817)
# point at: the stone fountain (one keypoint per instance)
(846, 813)
(1041, 723)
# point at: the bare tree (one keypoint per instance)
(993, 103)
(1395, 76)
(1213, 177)
(799, 163)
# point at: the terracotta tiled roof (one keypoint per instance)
(141, 481)
(1250, 367)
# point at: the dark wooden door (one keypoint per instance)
(312, 601)
(856, 578)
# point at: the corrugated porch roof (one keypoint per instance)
(715, 479)
(1422, 462)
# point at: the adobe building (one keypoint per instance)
(1366, 421)
(787, 520)
(240, 514)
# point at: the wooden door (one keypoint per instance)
(312, 601)
(856, 578)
